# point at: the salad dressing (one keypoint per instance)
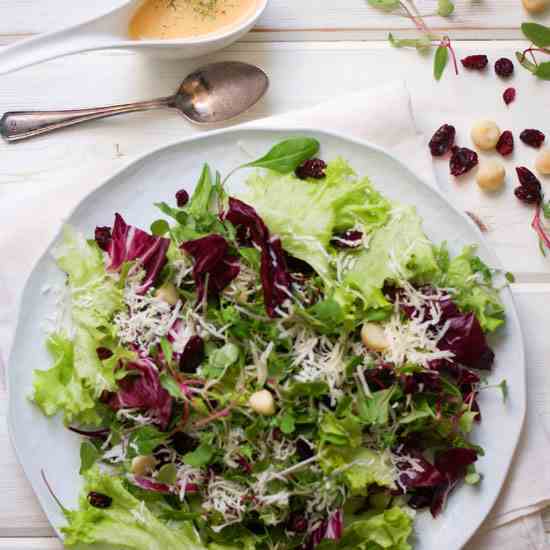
(169, 19)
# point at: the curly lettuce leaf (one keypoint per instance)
(59, 389)
(399, 250)
(126, 523)
(78, 376)
(360, 467)
(389, 530)
(472, 283)
(306, 214)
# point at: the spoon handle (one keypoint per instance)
(19, 125)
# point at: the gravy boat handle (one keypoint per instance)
(105, 31)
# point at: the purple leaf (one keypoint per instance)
(274, 274)
(153, 486)
(129, 243)
(141, 389)
(214, 267)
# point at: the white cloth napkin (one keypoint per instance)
(384, 117)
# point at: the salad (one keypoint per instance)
(297, 366)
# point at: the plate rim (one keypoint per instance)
(290, 130)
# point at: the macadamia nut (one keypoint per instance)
(262, 402)
(542, 163)
(485, 134)
(535, 6)
(491, 175)
(168, 293)
(143, 465)
(374, 337)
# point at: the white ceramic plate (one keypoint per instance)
(43, 443)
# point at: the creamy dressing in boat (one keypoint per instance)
(168, 19)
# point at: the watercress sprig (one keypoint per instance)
(428, 39)
(539, 35)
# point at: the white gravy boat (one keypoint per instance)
(110, 31)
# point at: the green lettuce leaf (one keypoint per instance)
(126, 523)
(389, 530)
(473, 293)
(306, 214)
(344, 431)
(59, 389)
(399, 250)
(79, 376)
(359, 467)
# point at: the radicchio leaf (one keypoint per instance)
(214, 267)
(274, 273)
(332, 529)
(128, 243)
(142, 389)
(153, 486)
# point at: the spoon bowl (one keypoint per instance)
(110, 31)
(212, 94)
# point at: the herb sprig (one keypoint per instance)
(539, 35)
(428, 39)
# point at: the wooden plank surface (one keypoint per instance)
(297, 19)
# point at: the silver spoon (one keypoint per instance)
(213, 93)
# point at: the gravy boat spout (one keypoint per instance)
(110, 30)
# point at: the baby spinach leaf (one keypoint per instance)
(543, 70)
(201, 456)
(387, 5)
(170, 385)
(422, 44)
(144, 440)
(160, 228)
(445, 8)
(440, 61)
(167, 474)
(538, 34)
(286, 156)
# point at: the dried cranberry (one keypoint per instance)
(182, 198)
(442, 140)
(192, 355)
(504, 67)
(530, 191)
(475, 62)
(184, 443)
(349, 239)
(532, 137)
(104, 353)
(103, 237)
(304, 450)
(99, 500)
(297, 523)
(462, 160)
(505, 145)
(312, 168)
(509, 95)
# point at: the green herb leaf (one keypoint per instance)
(422, 44)
(160, 228)
(166, 350)
(88, 456)
(510, 277)
(201, 456)
(287, 155)
(440, 61)
(504, 389)
(170, 385)
(375, 409)
(387, 5)
(287, 423)
(546, 210)
(167, 474)
(472, 477)
(543, 70)
(466, 421)
(445, 8)
(536, 33)
(144, 440)
(525, 63)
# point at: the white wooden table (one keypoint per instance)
(313, 50)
